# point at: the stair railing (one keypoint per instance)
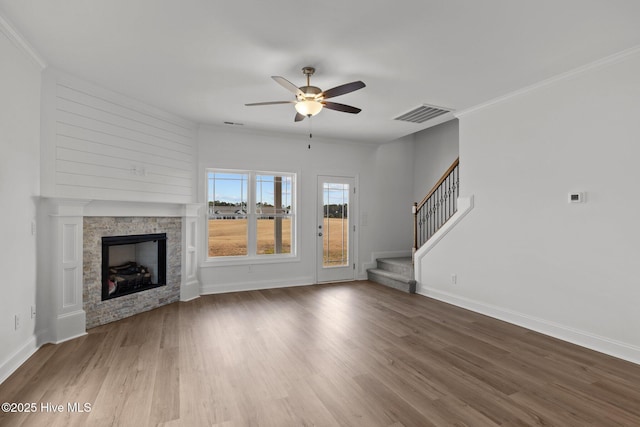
(437, 206)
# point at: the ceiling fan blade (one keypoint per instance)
(299, 117)
(269, 103)
(342, 89)
(341, 107)
(288, 85)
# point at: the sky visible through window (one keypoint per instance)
(335, 194)
(265, 185)
(228, 187)
(232, 188)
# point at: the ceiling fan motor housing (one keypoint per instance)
(310, 93)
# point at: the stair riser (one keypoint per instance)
(395, 284)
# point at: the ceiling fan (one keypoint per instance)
(311, 99)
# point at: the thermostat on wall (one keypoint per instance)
(576, 197)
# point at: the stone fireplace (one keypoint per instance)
(74, 264)
(100, 310)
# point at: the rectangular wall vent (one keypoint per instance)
(422, 114)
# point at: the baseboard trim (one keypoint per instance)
(255, 286)
(594, 342)
(70, 325)
(189, 291)
(18, 358)
(69, 338)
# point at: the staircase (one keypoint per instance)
(396, 273)
(437, 207)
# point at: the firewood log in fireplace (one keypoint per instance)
(128, 276)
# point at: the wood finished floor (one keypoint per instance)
(352, 354)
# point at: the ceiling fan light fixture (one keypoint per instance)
(310, 100)
(308, 107)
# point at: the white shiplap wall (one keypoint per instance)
(101, 145)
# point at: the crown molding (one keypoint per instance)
(19, 41)
(611, 59)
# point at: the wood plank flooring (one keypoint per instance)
(350, 354)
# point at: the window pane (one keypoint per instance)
(273, 204)
(336, 225)
(227, 192)
(227, 203)
(273, 194)
(227, 237)
(274, 235)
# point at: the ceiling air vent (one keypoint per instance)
(422, 114)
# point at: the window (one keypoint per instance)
(250, 214)
(228, 223)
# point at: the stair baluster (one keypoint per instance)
(437, 206)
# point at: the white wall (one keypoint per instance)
(19, 190)
(391, 217)
(380, 170)
(523, 253)
(436, 148)
(101, 145)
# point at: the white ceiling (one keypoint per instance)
(204, 59)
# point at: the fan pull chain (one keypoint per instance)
(310, 133)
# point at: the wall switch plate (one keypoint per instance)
(454, 279)
(17, 322)
(33, 311)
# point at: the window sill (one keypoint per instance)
(233, 261)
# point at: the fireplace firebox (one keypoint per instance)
(133, 263)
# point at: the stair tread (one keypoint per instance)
(400, 265)
(396, 272)
(391, 275)
(397, 260)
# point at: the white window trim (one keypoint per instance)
(251, 257)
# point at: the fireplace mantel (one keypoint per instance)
(63, 248)
(85, 207)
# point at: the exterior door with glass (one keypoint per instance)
(335, 229)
